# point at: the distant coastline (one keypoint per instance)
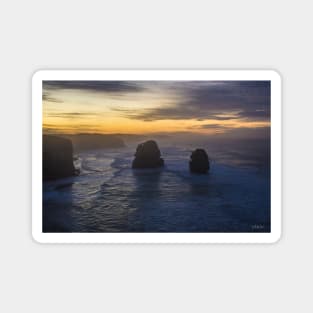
(95, 141)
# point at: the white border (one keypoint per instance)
(271, 75)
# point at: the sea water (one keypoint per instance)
(110, 196)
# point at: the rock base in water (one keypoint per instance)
(57, 157)
(199, 162)
(148, 156)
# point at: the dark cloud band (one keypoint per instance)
(94, 85)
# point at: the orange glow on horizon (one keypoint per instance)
(113, 125)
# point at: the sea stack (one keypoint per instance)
(57, 157)
(148, 155)
(199, 162)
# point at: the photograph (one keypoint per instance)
(156, 156)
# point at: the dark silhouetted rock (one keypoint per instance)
(57, 157)
(199, 162)
(148, 155)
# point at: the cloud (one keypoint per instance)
(220, 100)
(94, 86)
(200, 100)
(73, 114)
(47, 97)
(255, 114)
(211, 126)
(221, 118)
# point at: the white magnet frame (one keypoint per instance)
(200, 75)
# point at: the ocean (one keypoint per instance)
(110, 196)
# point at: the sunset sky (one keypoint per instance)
(137, 107)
